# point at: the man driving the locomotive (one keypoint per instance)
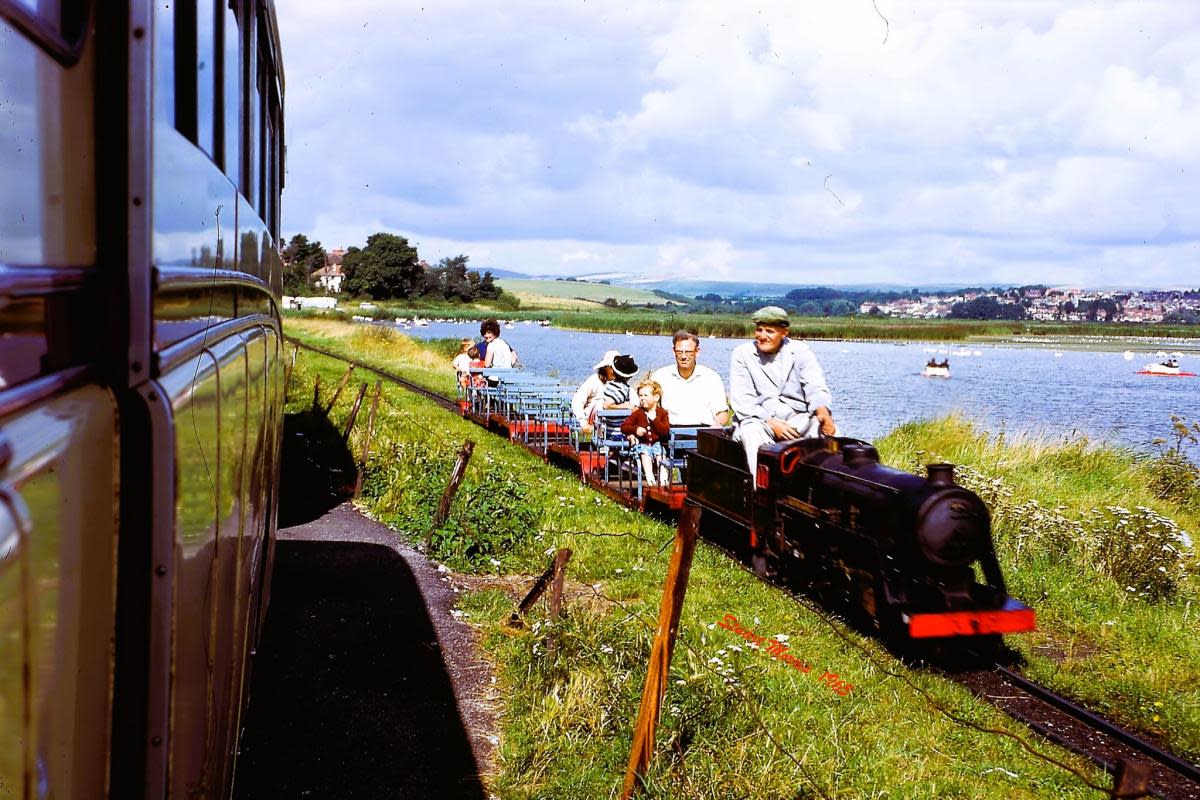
(776, 388)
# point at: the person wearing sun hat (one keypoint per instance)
(590, 394)
(776, 388)
(617, 392)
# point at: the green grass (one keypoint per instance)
(571, 688)
(550, 294)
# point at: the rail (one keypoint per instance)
(441, 400)
(1099, 724)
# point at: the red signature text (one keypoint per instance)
(778, 650)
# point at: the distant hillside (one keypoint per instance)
(499, 273)
(554, 294)
(692, 287)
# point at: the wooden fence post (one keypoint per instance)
(456, 476)
(660, 653)
(290, 368)
(556, 583)
(354, 412)
(554, 571)
(338, 391)
(1132, 779)
(366, 452)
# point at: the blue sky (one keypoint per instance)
(796, 142)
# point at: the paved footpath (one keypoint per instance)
(364, 685)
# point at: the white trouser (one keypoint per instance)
(754, 433)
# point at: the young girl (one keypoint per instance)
(646, 428)
(478, 381)
(462, 363)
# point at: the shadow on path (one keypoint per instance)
(317, 471)
(350, 695)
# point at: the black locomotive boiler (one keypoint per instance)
(911, 555)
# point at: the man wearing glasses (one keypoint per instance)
(692, 393)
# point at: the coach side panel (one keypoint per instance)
(58, 427)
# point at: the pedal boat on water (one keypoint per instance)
(1168, 368)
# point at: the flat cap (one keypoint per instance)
(770, 315)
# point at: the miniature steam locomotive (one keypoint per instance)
(911, 556)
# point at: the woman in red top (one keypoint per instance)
(646, 429)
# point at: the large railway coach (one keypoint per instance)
(141, 146)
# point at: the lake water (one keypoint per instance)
(1040, 390)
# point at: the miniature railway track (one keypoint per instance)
(1051, 715)
(1082, 731)
(445, 402)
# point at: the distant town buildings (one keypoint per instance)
(1059, 304)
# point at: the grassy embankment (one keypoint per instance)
(569, 710)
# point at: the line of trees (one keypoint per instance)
(389, 268)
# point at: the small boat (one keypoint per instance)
(545, 323)
(509, 325)
(1169, 368)
(936, 369)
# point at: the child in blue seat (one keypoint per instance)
(646, 428)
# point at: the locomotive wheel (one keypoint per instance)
(761, 566)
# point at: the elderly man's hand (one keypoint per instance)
(828, 426)
(781, 430)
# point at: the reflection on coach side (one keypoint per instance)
(140, 388)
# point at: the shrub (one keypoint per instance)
(1172, 476)
(492, 515)
(1142, 550)
(492, 518)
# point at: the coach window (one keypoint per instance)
(184, 29)
(254, 116)
(272, 171)
(164, 65)
(207, 87)
(56, 26)
(231, 78)
(264, 125)
(194, 34)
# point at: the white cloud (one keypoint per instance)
(989, 138)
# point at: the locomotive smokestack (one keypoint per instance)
(940, 474)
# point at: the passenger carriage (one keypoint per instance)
(535, 411)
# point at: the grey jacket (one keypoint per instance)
(754, 395)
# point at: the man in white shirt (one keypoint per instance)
(692, 393)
